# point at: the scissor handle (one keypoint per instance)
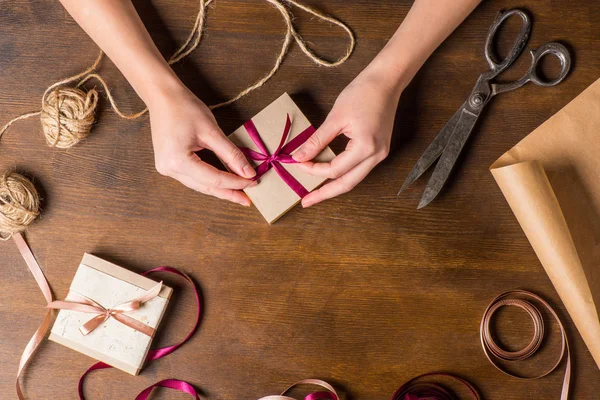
(498, 66)
(557, 50)
(553, 48)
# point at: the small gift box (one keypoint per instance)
(268, 140)
(110, 314)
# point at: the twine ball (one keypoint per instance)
(67, 116)
(19, 204)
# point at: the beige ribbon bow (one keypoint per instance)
(84, 304)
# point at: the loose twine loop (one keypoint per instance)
(19, 204)
(67, 114)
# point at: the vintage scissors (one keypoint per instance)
(450, 141)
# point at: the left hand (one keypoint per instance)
(364, 112)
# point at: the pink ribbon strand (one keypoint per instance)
(84, 304)
(281, 155)
(40, 333)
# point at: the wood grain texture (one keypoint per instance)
(362, 291)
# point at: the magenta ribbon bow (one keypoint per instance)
(281, 155)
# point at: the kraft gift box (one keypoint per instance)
(112, 342)
(272, 196)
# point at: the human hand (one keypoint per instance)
(364, 112)
(182, 125)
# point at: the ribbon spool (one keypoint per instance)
(419, 389)
(494, 352)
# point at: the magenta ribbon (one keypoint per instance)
(175, 384)
(282, 155)
(321, 396)
(416, 389)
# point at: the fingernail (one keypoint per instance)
(252, 184)
(249, 172)
(299, 155)
(306, 204)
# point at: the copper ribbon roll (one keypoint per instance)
(493, 351)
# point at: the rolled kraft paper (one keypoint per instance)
(533, 201)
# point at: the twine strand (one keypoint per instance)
(67, 114)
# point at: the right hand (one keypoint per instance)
(182, 125)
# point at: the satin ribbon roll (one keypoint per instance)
(494, 352)
(418, 389)
(328, 394)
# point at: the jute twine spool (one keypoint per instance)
(19, 204)
(67, 114)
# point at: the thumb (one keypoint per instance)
(231, 155)
(318, 141)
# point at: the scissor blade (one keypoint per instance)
(433, 152)
(463, 130)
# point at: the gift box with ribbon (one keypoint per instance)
(110, 314)
(268, 140)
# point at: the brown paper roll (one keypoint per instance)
(532, 199)
(551, 180)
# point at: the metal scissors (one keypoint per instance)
(449, 143)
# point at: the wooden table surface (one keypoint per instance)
(363, 291)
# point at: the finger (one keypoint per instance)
(341, 185)
(319, 140)
(230, 154)
(207, 175)
(234, 196)
(341, 164)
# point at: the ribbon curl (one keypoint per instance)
(84, 304)
(416, 389)
(281, 155)
(328, 394)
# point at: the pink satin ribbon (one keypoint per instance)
(329, 394)
(417, 389)
(84, 304)
(41, 332)
(281, 155)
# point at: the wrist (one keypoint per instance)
(392, 77)
(161, 89)
(152, 78)
(400, 60)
